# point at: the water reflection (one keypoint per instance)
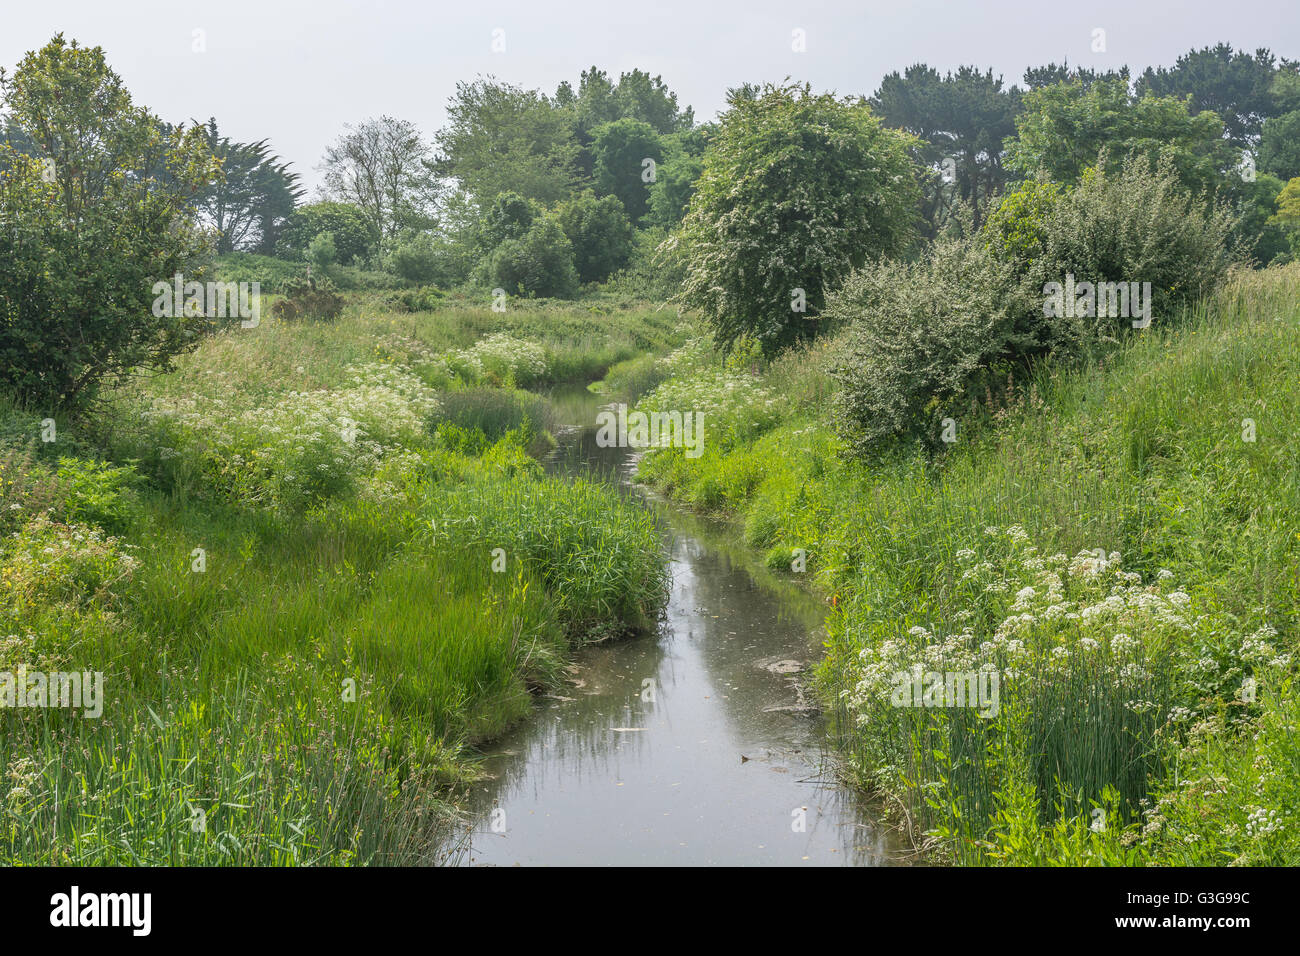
(695, 745)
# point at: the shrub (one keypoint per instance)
(539, 264)
(920, 332)
(352, 234)
(509, 216)
(925, 334)
(323, 252)
(416, 260)
(600, 234)
(309, 299)
(1132, 224)
(422, 299)
(797, 190)
(80, 254)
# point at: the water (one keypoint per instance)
(697, 745)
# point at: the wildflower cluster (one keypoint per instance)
(304, 445)
(502, 358)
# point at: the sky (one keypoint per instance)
(296, 72)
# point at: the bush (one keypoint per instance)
(416, 260)
(323, 252)
(925, 335)
(600, 233)
(920, 332)
(509, 216)
(272, 274)
(353, 237)
(421, 299)
(309, 299)
(797, 191)
(81, 253)
(1132, 224)
(539, 264)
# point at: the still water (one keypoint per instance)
(695, 745)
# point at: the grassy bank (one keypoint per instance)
(315, 563)
(1118, 543)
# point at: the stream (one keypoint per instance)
(697, 745)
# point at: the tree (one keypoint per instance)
(538, 264)
(674, 184)
(1279, 146)
(1235, 85)
(84, 238)
(255, 194)
(501, 138)
(384, 168)
(1288, 212)
(621, 150)
(1257, 235)
(599, 231)
(1040, 76)
(508, 216)
(797, 190)
(963, 117)
(353, 232)
(1064, 127)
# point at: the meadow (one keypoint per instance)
(1118, 541)
(316, 562)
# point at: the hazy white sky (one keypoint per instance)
(297, 71)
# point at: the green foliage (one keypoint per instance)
(1112, 456)
(1256, 235)
(272, 274)
(423, 298)
(538, 264)
(308, 299)
(507, 216)
(606, 577)
(1130, 224)
(675, 181)
(79, 254)
(798, 189)
(600, 234)
(926, 336)
(963, 117)
(1279, 148)
(620, 150)
(495, 412)
(502, 138)
(417, 260)
(96, 492)
(253, 197)
(353, 236)
(323, 252)
(1064, 127)
(921, 334)
(1236, 85)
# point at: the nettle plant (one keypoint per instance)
(1085, 651)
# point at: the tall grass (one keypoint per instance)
(1146, 453)
(301, 630)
